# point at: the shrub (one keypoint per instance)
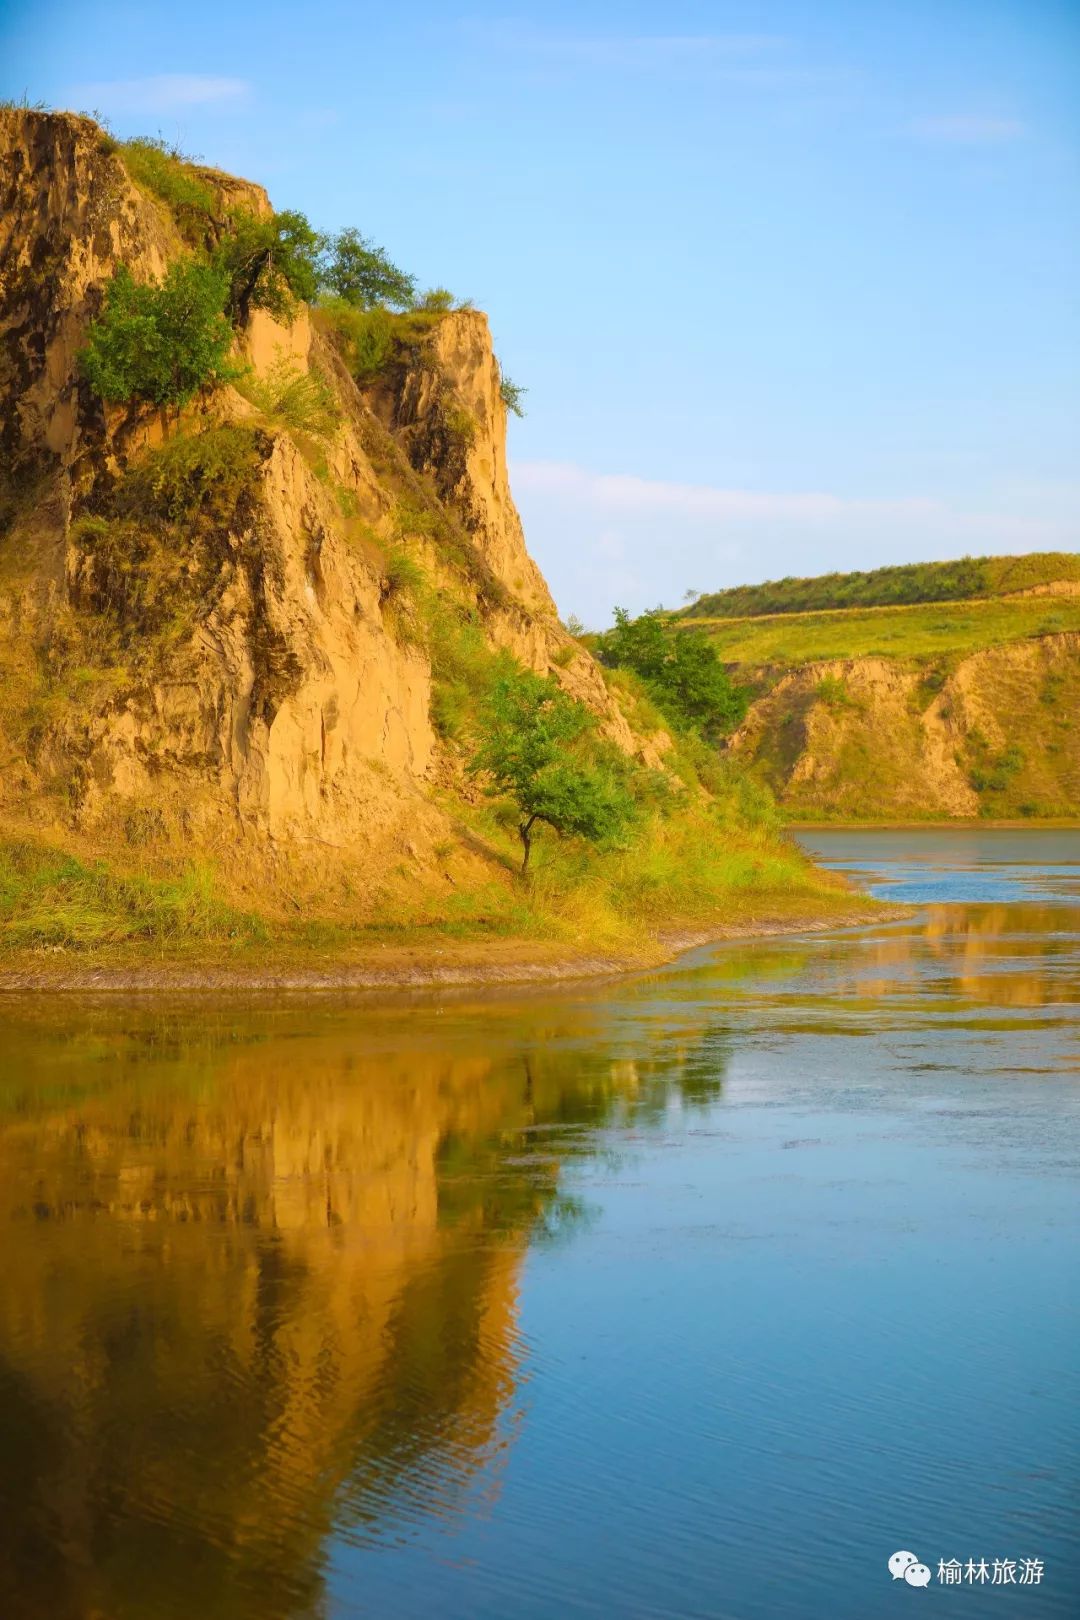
(833, 692)
(680, 669)
(436, 301)
(155, 559)
(195, 474)
(365, 337)
(160, 342)
(363, 275)
(512, 395)
(462, 666)
(299, 399)
(460, 425)
(402, 576)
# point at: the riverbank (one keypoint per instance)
(940, 824)
(394, 964)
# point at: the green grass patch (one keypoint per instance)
(51, 900)
(153, 556)
(919, 632)
(373, 341)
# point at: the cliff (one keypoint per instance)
(290, 714)
(242, 636)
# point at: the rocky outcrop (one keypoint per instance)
(876, 739)
(285, 723)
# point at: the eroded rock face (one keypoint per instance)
(868, 738)
(68, 215)
(291, 720)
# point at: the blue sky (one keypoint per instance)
(792, 285)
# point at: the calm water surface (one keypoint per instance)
(693, 1295)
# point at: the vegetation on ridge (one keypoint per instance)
(921, 632)
(965, 578)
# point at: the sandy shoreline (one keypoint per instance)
(402, 967)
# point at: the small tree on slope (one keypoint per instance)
(529, 749)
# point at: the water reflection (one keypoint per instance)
(264, 1268)
(260, 1277)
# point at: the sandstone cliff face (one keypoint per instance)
(873, 739)
(288, 722)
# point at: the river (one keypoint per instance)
(697, 1293)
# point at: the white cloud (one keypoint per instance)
(623, 492)
(964, 130)
(623, 50)
(755, 61)
(603, 538)
(160, 93)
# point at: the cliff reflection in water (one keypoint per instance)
(261, 1280)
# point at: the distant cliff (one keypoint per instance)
(866, 739)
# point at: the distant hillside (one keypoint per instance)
(965, 579)
(884, 710)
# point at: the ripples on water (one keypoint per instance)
(693, 1295)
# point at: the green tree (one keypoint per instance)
(163, 341)
(364, 275)
(269, 264)
(681, 669)
(530, 750)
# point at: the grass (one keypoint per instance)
(172, 177)
(966, 578)
(49, 899)
(681, 875)
(371, 341)
(200, 474)
(290, 397)
(154, 555)
(920, 631)
(687, 869)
